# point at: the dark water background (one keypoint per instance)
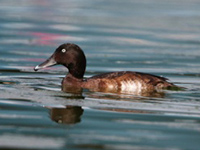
(153, 36)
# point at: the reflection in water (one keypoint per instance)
(72, 114)
(68, 115)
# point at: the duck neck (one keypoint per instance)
(77, 71)
(70, 78)
(70, 81)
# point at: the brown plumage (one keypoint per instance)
(72, 57)
(126, 81)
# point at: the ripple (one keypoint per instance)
(65, 27)
(156, 37)
(24, 141)
(14, 25)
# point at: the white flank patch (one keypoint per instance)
(131, 86)
(111, 87)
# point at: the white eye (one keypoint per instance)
(63, 50)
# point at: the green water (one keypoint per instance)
(149, 36)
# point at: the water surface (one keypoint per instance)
(150, 36)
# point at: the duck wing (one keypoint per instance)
(145, 80)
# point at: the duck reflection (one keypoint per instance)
(68, 115)
(72, 114)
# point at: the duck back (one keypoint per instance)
(126, 81)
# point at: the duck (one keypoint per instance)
(73, 58)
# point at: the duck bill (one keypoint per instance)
(48, 63)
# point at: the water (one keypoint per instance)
(148, 36)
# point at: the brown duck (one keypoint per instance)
(72, 57)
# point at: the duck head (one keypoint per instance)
(68, 55)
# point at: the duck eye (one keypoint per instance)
(63, 50)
